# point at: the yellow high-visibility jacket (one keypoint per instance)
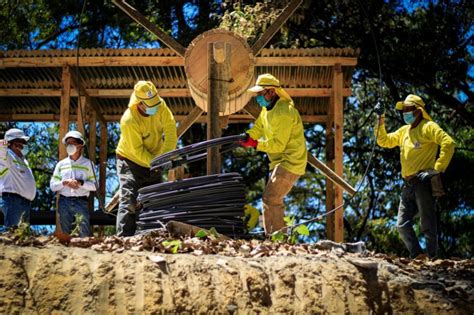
(141, 137)
(419, 146)
(280, 134)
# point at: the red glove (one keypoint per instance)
(250, 142)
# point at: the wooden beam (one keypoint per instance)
(188, 120)
(233, 119)
(140, 19)
(99, 61)
(304, 61)
(125, 93)
(64, 108)
(281, 19)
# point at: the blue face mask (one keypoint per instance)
(409, 118)
(262, 101)
(150, 111)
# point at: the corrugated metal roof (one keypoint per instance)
(106, 77)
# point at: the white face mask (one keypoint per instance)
(71, 149)
(25, 150)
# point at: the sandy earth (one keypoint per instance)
(50, 278)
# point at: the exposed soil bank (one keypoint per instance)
(56, 279)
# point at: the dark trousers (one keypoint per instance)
(68, 208)
(416, 200)
(132, 177)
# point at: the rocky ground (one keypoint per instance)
(154, 273)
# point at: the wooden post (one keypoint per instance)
(82, 113)
(219, 54)
(92, 145)
(64, 109)
(102, 169)
(334, 129)
(103, 160)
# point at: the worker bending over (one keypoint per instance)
(143, 126)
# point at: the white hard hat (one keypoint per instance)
(15, 133)
(73, 134)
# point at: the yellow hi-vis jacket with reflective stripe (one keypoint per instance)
(419, 146)
(141, 137)
(280, 134)
(16, 175)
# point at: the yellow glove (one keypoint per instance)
(253, 213)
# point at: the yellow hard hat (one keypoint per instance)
(414, 100)
(268, 81)
(145, 91)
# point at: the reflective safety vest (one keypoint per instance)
(81, 169)
(15, 174)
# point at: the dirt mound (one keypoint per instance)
(289, 279)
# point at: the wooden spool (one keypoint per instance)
(242, 69)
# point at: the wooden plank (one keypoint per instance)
(281, 19)
(308, 61)
(107, 61)
(140, 19)
(64, 108)
(188, 120)
(178, 92)
(331, 174)
(219, 55)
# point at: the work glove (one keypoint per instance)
(379, 108)
(249, 142)
(427, 174)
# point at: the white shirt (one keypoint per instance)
(15, 174)
(81, 169)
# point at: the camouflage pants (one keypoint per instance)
(132, 177)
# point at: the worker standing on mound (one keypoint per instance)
(278, 131)
(419, 141)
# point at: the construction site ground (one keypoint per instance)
(142, 275)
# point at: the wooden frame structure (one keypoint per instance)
(40, 86)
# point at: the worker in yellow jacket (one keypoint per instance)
(419, 141)
(278, 131)
(148, 129)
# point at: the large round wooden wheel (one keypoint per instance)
(241, 69)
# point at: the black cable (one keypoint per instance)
(81, 110)
(319, 217)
